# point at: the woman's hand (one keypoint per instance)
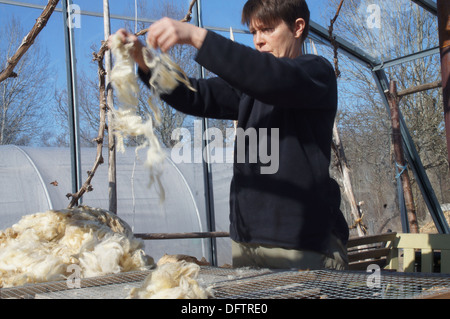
(167, 32)
(163, 34)
(136, 53)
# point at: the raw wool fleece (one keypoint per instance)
(41, 246)
(172, 280)
(126, 121)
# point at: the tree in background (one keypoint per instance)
(23, 98)
(387, 30)
(88, 112)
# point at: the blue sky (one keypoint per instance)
(216, 13)
(88, 37)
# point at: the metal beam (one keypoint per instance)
(406, 58)
(344, 45)
(207, 170)
(82, 12)
(112, 16)
(74, 125)
(428, 5)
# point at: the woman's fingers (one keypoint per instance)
(127, 37)
(157, 33)
(167, 40)
(167, 32)
(122, 33)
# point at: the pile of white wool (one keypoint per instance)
(41, 247)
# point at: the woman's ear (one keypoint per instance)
(299, 27)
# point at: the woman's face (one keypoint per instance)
(278, 39)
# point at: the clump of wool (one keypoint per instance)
(172, 280)
(41, 246)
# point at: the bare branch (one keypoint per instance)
(420, 88)
(188, 16)
(87, 187)
(28, 40)
(333, 39)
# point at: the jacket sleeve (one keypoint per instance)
(303, 82)
(212, 98)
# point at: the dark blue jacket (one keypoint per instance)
(298, 205)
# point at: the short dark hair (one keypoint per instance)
(272, 11)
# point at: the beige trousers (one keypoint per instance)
(264, 256)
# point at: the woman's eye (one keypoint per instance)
(263, 30)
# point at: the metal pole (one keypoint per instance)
(155, 236)
(72, 96)
(112, 180)
(444, 45)
(428, 5)
(207, 175)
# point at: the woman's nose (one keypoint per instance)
(258, 39)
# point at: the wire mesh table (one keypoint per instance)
(327, 284)
(246, 283)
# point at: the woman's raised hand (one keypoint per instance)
(165, 33)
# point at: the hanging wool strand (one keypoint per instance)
(165, 77)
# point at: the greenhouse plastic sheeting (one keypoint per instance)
(38, 179)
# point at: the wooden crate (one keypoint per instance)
(407, 245)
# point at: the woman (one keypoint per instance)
(289, 217)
